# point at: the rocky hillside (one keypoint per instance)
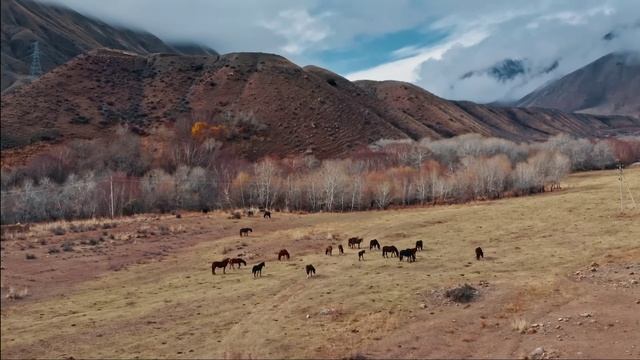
(607, 86)
(62, 34)
(286, 109)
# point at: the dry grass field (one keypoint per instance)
(561, 272)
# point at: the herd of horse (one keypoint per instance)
(353, 242)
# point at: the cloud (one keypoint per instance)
(300, 29)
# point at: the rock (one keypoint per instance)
(423, 306)
(594, 269)
(633, 281)
(638, 301)
(586, 314)
(537, 353)
(308, 316)
(594, 264)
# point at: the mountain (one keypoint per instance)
(610, 85)
(277, 106)
(62, 34)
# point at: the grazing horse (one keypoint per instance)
(479, 253)
(311, 271)
(267, 214)
(283, 253)
(257, 269)
(245, 231)
(238, 261)
(361, 255)
(219, 264)
(410, 254)
(419, 245)
(340, 249)
(328, 250)
(355, 241)
(389, 250)
(374, 244)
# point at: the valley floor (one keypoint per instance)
(561, 273)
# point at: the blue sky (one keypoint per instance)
(430, 43)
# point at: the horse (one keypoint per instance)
(267, 214)
(245, 231)
(257, 269)
(283, 253)
(479, 253)
(238, 261)
(361, 255)
(340, 249)
(354, 241)
(205, 210)
(374, 244)
(250, 213)
(389, 249)
(328, 250)
(419, 245)
(311, 271)
(220, 264)
(409, 254)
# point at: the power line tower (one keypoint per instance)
(36, 67)
(623, 184)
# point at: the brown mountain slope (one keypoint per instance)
(609, 85)
(296, 109)
(62, 34)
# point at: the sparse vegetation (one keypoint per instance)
(30, 256)
(462, 294)
(67, 246)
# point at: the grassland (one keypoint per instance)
(171, 306)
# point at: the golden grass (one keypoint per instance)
(176, 308)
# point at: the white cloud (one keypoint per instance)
(301, 30)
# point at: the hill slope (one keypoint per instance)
(63, 34)
(609, 85)
(294, 109)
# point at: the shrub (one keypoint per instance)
(237, 214)
(58, 230)
(67, 246)
(53, 250)
(80, 120)
(30, 257)
(462, 294)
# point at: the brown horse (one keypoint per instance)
(257, 269)
(328, 250)
(245, 231)
(340, 249)
(220, 264)
(311, 271)
(267, 214)
(374, 244)
(419, 245)
(238, 261)
(361, 255)
(283, 253)
(389, 250)
(354, 241)
(479, 253)
(410, 254)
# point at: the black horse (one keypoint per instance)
(354, 241)
(257, 269)
(389, 250)
(410, 254)
(361, 255)
(340, 249)
(267, 214)
(311, 271)
(479, 253)
(419, 245)
(245, 231)
(374, 244)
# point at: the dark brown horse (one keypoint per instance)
(238, 261)
(267, 214)
(361, 255)
(479, 253)
(220, 264)
(250, 213)
(257, 269)
(419, 245)
(410, 254)
(340, 250)
(328, 250)
(245, 231)
(374, 244)
(389, 250)
(354, 241)
(283, 253)
(311, 271)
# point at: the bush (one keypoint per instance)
(58, 230)
(30, 257)
(462, 294)
(236, 215)
(67, 246)
(134, 206)
(53, 250)
(80, 120)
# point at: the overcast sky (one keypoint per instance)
(475, 50)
